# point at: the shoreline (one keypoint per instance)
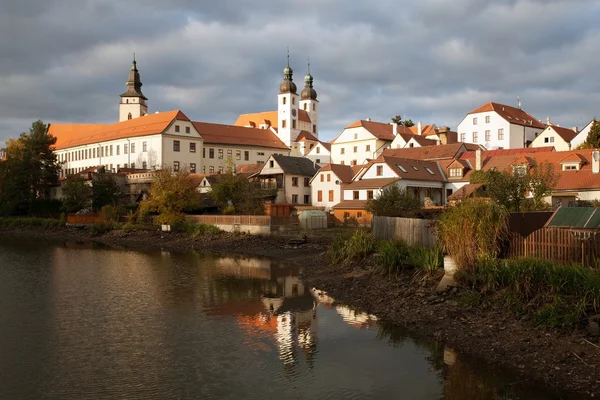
(564, 361)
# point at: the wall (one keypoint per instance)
(517, 132)
(255, 155)
(325, 187)
(496, 122)
(319, 154)
(371, 173)
(581, 136)
(347, 141)
(300, 190)
(252, 224)
(362, 217)
(556, 141)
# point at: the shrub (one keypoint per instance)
(195, 229)
(28, 222)
(472, 231)
(110, 213)
(102, 228)
(356, 247)
(428, 260)
(392, 256)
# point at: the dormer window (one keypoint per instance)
(456, 172)
(570, 167)
(520, 170)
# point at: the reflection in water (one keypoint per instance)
(81, 322)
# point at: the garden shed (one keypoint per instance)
(313, 219)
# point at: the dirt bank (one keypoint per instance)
(563, 360)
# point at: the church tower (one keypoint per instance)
(309, 102)
(133, 102)
(287, 108)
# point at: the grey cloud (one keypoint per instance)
(433, 60)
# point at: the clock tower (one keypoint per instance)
(287, 109)
(133, 102)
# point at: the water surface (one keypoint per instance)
(89, 323)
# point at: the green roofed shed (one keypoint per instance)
(575, 218)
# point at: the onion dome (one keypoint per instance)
(288, 85)
(308, 93)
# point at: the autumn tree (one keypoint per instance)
(392, 199)
(236, 195)
(170, 194)
(77, 194)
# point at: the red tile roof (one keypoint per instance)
(305, 135)
(344, 172)
(511, 114)
(271, 118)
(70, 135)
(380, 130)
(350, 205)
(565, 133)
(374, 183)
(236, 135)
(507, 152)
(431, 152)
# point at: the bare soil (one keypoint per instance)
(565, 360)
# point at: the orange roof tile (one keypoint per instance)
(305, 135)
(507, 152)
(431, 152)
(573, 157)
(374, 183)
(237, 135)
(565, 133)
(344, 172)
(380, 130)
(350, 205)
(270, 118)
(70, 135)
(511, 114)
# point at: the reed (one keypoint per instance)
(355, 247)
(392, 257)
(29, 222)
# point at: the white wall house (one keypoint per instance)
(582, 135)
(148, 142)
(326, 185)
(560, 138)
(290, 176)
(498, 126)
(320, 153)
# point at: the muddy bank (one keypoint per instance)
(562, 360)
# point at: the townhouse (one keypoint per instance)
(326, 185)
(289, 177)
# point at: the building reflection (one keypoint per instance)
(270, 304)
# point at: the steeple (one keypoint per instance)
(288, 85)
(133, 102)
(308, 93)
(134, 83)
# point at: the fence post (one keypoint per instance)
(582, 252)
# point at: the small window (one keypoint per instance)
(346, 214)
(356, 195)
(295, 198)
(369, 194)
(314, 128)
(144, 165)
(328, 177)
(488, 136)
(306, 182)
(211, 153)
(187, 129)
(355, 149)
(176, 145)
(570, 168)
(118, 149)
(129, 116)
(220, 151)
(415, 168)
(295, 181)
(132, 165)
(204, 152)
(220, 169)
(271, 164)
(258, 153)
(111, 150)
(331, 195)
(306, 199)
(380, 170)
(368, 148)
(501, 134)
(487, 119)
(211, 169)
(246, 155)
(319, 193)
(318, 161)
(283, 100)
(402, 168)
(355, 136)
(192, 147)
(132, 148)
(463, 137)
(359, 214)
(283, 123)
(192, 168)
(475, 121)
(430, 171)
(176, 128)
(238, 154)
(342, 151)
(322, 178)
(304, 106)
(318, 150)
(475, 137)
(144, 147)
(293, 100)
(293, 124)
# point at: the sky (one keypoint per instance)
(428, 60)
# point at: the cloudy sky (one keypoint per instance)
(431, 60)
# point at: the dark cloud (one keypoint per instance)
(432, 60)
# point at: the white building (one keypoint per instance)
(560, 138)
(326, 185)
(498, 126)
(582, 135)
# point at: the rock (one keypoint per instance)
(594, 329)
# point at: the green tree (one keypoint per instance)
(29, 171)
(77, 194)
(519, 188)
(398, 120)
(392, 199)
(170, 194)
(235, 194)
(593, 138)
(105, 191)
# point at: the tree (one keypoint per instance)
(519, 188)
(593, 138)
(105, 191)
(236, 194)
(398, 120)
(77, 194)
(393, 199)
(29, 171)
(170, 194)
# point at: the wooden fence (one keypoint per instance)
(411, 230)
(91, 218)
(562, 245)
(262, 220)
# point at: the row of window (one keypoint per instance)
(177, 146)
(100, 151)
(295, 199)
(220, 154)
(356, 195)
(354, 149)
(107, 167)
(488, 136)
(187, 129)
(284, 101)
(320, 195)
(295, 181)
(487, 120)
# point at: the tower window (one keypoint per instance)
(283, 123)
(293, 100)
(294, 123)
(127, 101)
(129, 116)
(283, 100)
(314, 128)
(314, 107)
(304, 106)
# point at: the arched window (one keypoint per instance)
(129, 116)
(127, 101)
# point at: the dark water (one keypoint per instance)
(84, 323)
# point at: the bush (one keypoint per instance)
(195, 229)
(102, 228)
(110, 213)
(472, 231)
(356, 247)
(392, 256)
(428, 260)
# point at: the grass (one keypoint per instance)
(21, 222)
(392, 256)
(554, 294)
(428, 260)
(346, 248)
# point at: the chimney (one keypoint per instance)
(478, 160)
(419, 128)
(368, 119)
(595, 161)
(575, 129)
(394, 128)
(548, 120)
(443, 134)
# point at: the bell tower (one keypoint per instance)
(287, 108)
(309, 102)
(133, 102)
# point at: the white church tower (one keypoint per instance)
(133, 102)
(287, 109)
(309, 102)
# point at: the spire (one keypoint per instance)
(134, 83)
(288, 85)
(308, 93)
